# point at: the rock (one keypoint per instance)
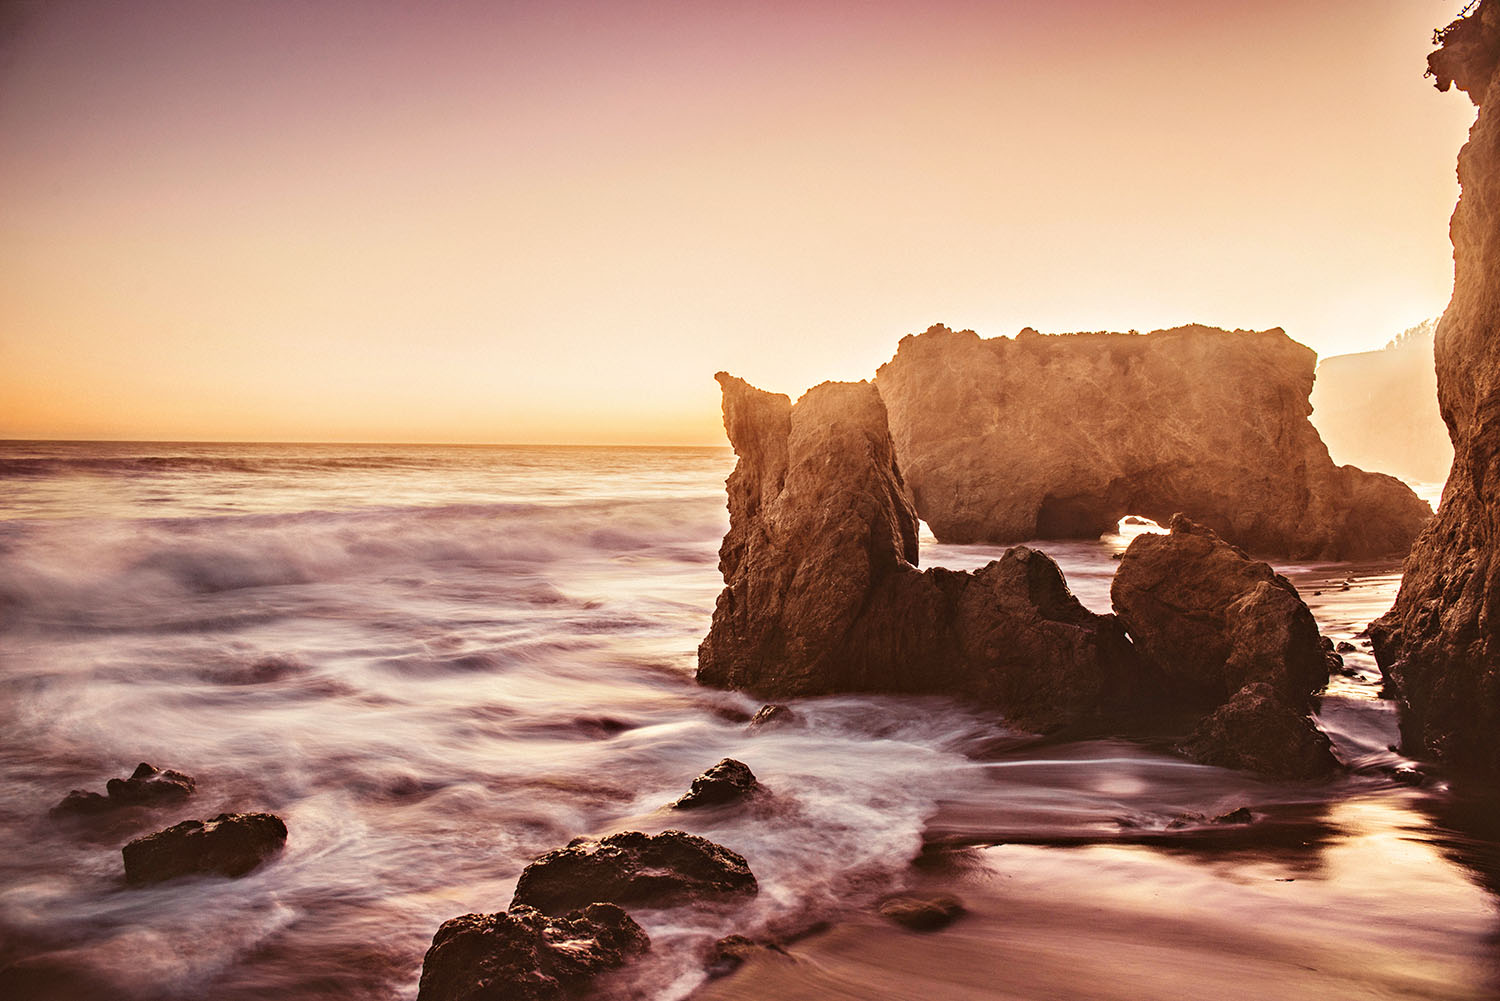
(231, 844)
(1440, 643)
(1345, 646)
(1240, 816)
(725, 782)
(922, 913)
(729, 954)
(822, 593)
(1212, 619)
(1005, 440)
(1408, 776)
(633, 869)
(146, 786)
(1257, 731)
(772, 715)
(524, 955)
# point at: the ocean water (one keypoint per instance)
(436, 663)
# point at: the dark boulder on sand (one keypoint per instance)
(146, 786)
(231, 844)
(524, 955)
(633, 869)
(725, 782)
(1213, 620)
(822, 593)
(1258, 731)
(922, 913)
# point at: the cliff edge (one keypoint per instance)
(1440, 642)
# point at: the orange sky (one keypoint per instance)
(554, 221)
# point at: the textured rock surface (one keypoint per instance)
(1440, 643)
(725, 782)
(523, 955)
(923, 913)
(633, 869)
(1003, 440)
(231, 844)
(1258, 731)
(822, 594)
(1213, 620)
(146, 786)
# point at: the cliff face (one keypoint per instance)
(1038, 436)
(1440, 643)
(1378, 410)
(822, 595)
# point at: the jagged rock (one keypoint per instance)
(822, 593)
(772, 715)
(923, 913)
(1240, 816)
(1257, 731)
(635, 869)
(1440, 643)
(1345, 646)
(1004, 440)
(524, 955)
(146, 786)
(1213, 620)
(725, 782)
(231, 844)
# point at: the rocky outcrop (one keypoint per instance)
(524, 955)
(633, 869)
(231, 844)
(1004, 440)
(146, 786)
(725, 782)
(1229, 632)
(1213, 620)
(822, 593)
(1440, 643)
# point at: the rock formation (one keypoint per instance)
(231, 844)
(822, 593)
(725, 782)
(524, 955)
(632, 868)
(1004, 440)
(146, 786)
(1440, 643)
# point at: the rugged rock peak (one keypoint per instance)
(1054, 436)
(1440, 643)
(821, 594)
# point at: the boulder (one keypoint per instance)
(773, 715)
(725, 782)
(1439, 645)
(231, 844)
(1213, 620)
(922, 913)
(524, 955)
(822, 593)
(635, 869)
(146, 786)
(1257, 731)
(1004, 440)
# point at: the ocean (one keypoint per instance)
(438, 662)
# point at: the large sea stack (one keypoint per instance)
(822, 593)
(1003, 440)
(1440, 643)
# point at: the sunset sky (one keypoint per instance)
(554, 221)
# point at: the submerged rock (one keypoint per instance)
(771, 716)
(822, 593)
(146, 786)
(231, 844)
(524, 955)
(636, 869)
(725, 782)
(1440, 643)
(1213, 620)
(923, 913)
(1257, 731)
(1004, 440)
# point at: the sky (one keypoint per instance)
(311, 220)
